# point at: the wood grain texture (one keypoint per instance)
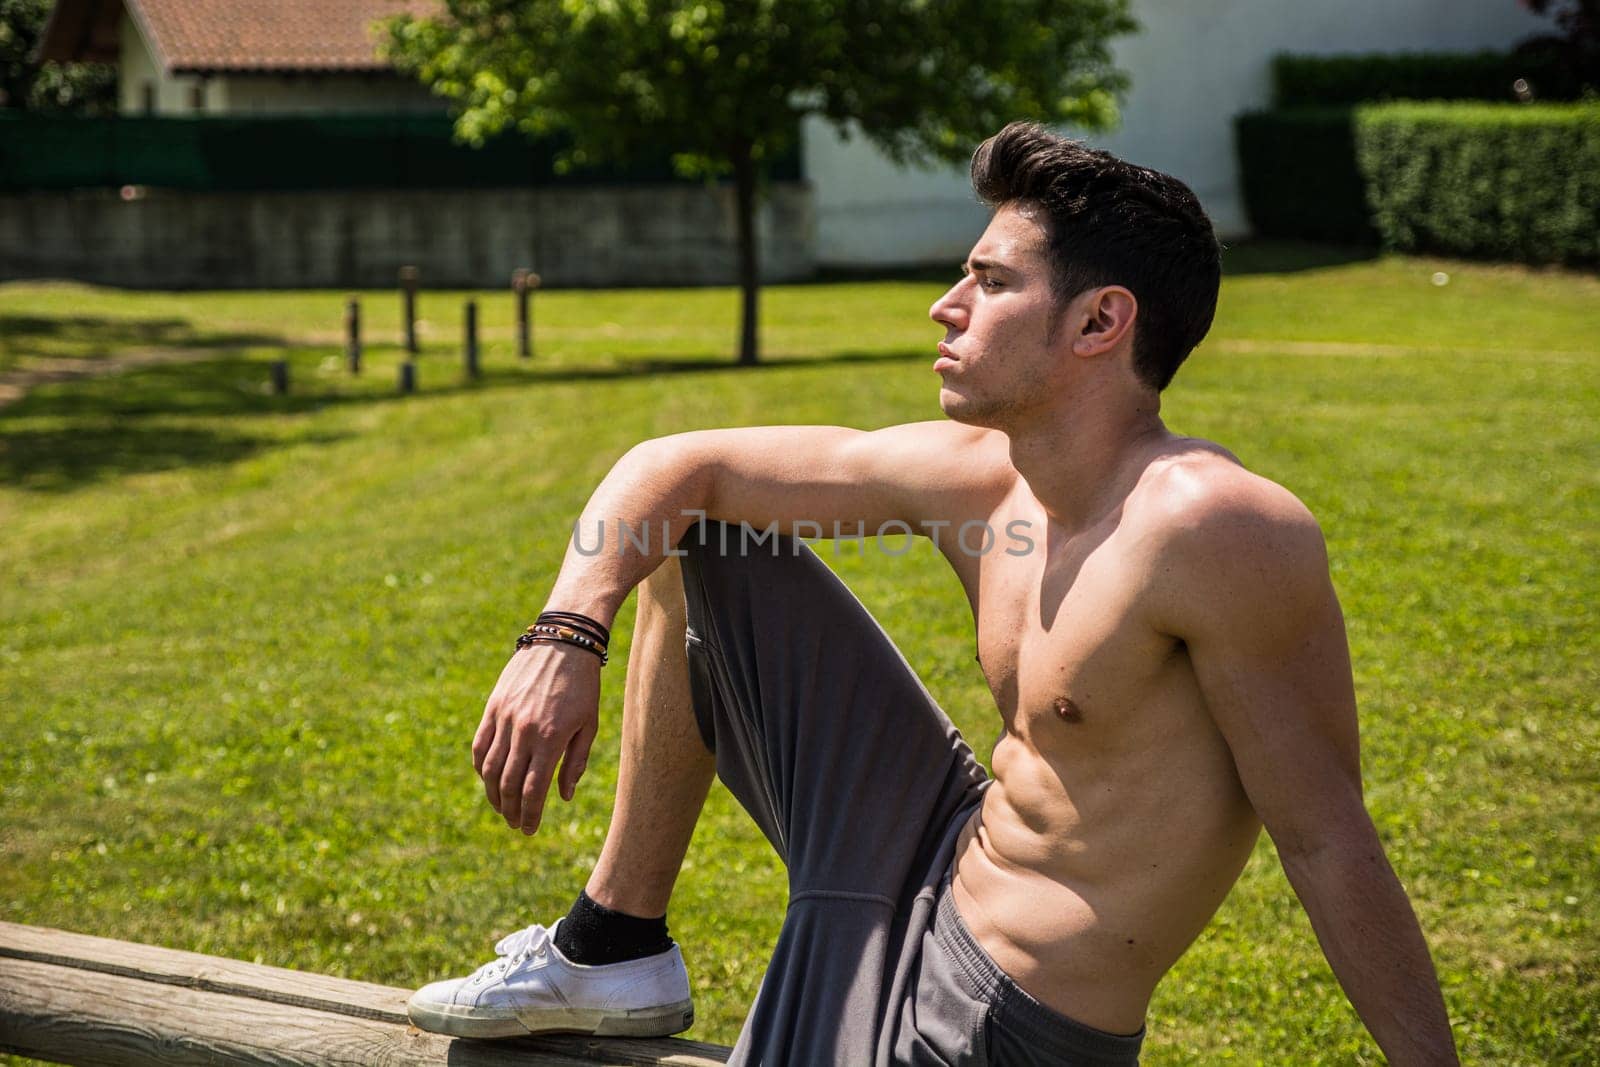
(193, 970)
(96, 1001)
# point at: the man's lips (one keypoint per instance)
(946, 358)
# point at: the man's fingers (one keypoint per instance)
(533, 722)
(575, 760)
(481, 742)
(512, 778)
(535, 788)
(493, 764)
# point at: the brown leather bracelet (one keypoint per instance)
(551, 632)
(582, 623)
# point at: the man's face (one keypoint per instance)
(997, 359)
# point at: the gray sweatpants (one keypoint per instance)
(862, 784)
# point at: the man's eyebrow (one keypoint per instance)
(980, 264)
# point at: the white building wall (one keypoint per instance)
(143, 82)
(1194, 66)
(142, 78)
(349, 94)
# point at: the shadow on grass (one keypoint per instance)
(238, 386)
(57, 460)
(68, 434)
(1288, 257)
(635, 367)
(64, 435)
(96, 337)
(223, 386)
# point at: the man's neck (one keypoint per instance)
(1076, 459)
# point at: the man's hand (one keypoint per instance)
(544, 709)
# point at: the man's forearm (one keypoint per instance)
(1372, 939)
(651, 497)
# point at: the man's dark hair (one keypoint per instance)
(1108, 222)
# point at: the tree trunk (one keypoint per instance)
(744, 178)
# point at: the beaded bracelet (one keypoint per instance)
(582, 623)
(563, 635)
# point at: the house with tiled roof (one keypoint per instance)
(233, 57)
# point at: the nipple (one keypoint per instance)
(1067, 710)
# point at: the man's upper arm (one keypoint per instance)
(1248, 591)
(833, 474)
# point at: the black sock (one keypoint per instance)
(593, 934)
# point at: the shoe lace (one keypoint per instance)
(514, 948)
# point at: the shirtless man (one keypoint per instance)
(1156, 624)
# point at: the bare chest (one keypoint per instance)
(1065, 645)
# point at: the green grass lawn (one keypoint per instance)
(245, 640)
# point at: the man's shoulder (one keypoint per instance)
(1204, 514)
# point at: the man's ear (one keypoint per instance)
(1106, 316)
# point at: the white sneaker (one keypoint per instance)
(532, 988)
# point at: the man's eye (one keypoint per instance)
(992, 283)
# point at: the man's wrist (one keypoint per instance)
(561, 631)
(598, 608)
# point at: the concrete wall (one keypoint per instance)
(1195, 66)
(644, 235)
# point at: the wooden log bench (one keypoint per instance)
(94, 1001)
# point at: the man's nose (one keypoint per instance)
(949, 311)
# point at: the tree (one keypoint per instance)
(1577, 46)
(1578, 19)
(27, 85)
(723, 84)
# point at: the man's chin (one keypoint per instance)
(965, 410)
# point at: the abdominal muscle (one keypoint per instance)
(1085, 879)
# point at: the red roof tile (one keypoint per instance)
(193, 36)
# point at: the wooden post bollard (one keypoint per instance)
(408, 300)
(352, 335)
(408, 377)
(521, 288)
(533, 282)
(470, 340)
(280, 377)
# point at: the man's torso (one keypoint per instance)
(1116, 823)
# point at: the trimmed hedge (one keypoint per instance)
(1297, 171)
(1328, 81)
(1298, 162)
(1509, 181)
(1506, 181)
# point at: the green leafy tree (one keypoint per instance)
(723, 84)
(26, 85)
(1577, 47)
(1578, 20)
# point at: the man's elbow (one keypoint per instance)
(1346, 833)
(667, 447)
(679, 455)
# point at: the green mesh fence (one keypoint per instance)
(290, 152)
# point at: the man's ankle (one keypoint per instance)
(595, 935)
